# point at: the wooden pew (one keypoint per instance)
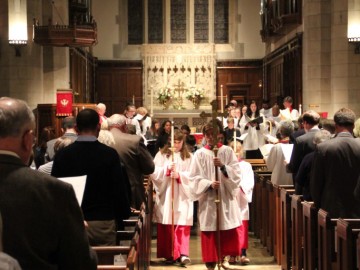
(346, 233)
(296, 232)
(278, 222)
(310, 235)
(358, 251)
(270, 233)
(106, 254)
(286, 228)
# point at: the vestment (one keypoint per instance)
(255, 138)
(202, 174)
(105, 195)
(244, 197)
(134, 122)
(275, 163)
(42, 219)
(137, 161)
(335, 174)
(46, 168)
(183, 205)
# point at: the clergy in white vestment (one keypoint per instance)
(255, 131)
(204, 187)
(129, 113)
(166, 171)
(276, 159)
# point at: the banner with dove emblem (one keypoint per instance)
(64, 99)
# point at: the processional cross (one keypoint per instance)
(214, 114)
(180, 89)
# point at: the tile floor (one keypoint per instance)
(258, 255)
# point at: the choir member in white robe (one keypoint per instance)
(289, 113)
(129, 113)
(276, 159)
(255, 132)
(204, 187)
(165, 170)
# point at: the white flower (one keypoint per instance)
(193, 92)
(164, 93)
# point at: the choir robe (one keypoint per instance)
(255, 138)
(244, 197)
(202, 174)
(183, 206)
(275, 163)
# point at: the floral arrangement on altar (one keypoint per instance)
(194, 93)
(164, 94)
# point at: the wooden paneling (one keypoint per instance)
(240, 80)
(119, 82)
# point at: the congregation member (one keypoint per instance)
(275, 160)
(205, 186)
(298, 129)
(304, 144)
(302, 179)
(172, 169)
(131, 121)
(46, 134)
(252, 123)
(68, 131)
(101, 110)
(136, 158)
(105, 201)
(60, 143)
(356, 130)
(164, 134)
(43, 227)
(336, 169)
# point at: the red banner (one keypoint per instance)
(64, 103)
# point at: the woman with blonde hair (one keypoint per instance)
(174, 169)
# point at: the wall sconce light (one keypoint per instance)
(353, 31)
(260, 83)
(18, 32)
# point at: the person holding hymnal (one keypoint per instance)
(252, 123)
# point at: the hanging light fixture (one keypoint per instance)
(18, 34)
(353, 31)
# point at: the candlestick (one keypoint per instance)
(221, 98)
(172, 134)
(133, 99)
(300, 110)
(152, 102)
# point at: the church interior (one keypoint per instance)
(137, 51)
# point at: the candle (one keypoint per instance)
(300, 111)
(151, 102)
(172, 134)
(221, 98)
(133, 100)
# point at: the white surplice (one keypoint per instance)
(247, 185)
(202, 174)
(255, 138)
(183, 205)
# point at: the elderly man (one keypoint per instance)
(137, 159)
(43, 225)
(335, 170)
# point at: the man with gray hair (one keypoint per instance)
(336, 170)
(134, 155)
(43, 224)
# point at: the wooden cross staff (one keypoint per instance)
(214, 114)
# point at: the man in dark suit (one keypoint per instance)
(137, 159)
(304, 144)
(336, 170)
(105, 203)
(43, 227)
(68, 129)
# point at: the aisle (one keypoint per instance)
(258, 255)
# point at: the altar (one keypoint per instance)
(182, 117)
